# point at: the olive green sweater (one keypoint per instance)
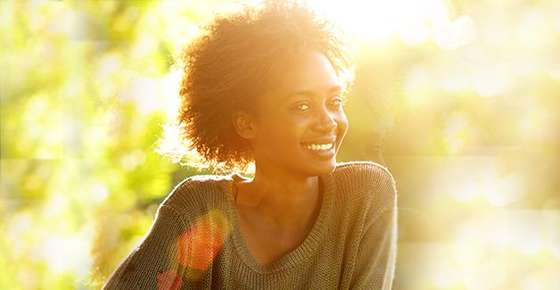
(195, 241)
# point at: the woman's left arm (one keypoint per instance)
(376, 257)
(153, 264)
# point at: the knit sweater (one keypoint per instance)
(195, 241)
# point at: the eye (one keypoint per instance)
(302, 107)
(337, 102)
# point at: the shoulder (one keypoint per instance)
(195, 192)
(366, 179)
(364, 172)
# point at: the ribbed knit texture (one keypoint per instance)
(195, 241)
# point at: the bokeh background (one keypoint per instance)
(460, 99)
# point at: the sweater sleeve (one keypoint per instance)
(153, 264)
(376, 256)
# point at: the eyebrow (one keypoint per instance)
(335, 88)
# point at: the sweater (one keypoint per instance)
(195, 241)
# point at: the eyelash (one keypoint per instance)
(298, 107)
(340, 101)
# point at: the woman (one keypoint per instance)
(266, 87)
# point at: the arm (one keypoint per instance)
(153, 265)
(376, 257)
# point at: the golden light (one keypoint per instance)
(535, 123)
(479, 207)
(413, 22)
(491, 81)
(419, 87)
(99, 192)
(456, 133)
(489, 189)
(493, 249)
(481, 181)
(67, 253)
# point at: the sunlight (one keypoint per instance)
(460, 99)
(413, 21)
(457, 133)
(458, 33)
(67, 253)
(493, 190)
(485, 246)
(487, 186)
(535, 124)
(418, 87)
(99, 192)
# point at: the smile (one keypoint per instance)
(319, 147)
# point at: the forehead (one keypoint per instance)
(310, 71)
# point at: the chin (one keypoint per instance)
(323, 169)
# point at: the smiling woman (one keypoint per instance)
(303, 120)
(266, 87)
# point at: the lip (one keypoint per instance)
(325, 140)
(321, 154)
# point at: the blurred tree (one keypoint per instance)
(463, 108)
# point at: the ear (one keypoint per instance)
(244, 124)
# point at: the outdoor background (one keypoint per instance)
(460, 99)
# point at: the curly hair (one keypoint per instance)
(237, 59)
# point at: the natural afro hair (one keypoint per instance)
(236, 60)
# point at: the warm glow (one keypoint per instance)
(460, 99)
(486, 185)
(413, 21)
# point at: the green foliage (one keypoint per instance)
(77, 139)
(86, 88)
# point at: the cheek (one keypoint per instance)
(280, 133)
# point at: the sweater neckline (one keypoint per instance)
(298, 255)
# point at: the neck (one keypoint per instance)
(284, 198)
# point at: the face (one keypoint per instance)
(300, 126)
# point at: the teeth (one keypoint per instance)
(317, 147)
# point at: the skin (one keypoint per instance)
(279, 206)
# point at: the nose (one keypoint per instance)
(326, 121)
